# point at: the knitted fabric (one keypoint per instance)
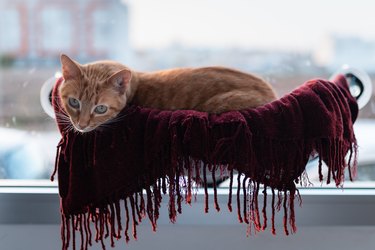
(149, 154)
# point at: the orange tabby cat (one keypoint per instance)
(93, 94)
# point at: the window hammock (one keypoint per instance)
(150, 154)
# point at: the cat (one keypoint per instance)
(93, 94)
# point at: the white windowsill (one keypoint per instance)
(329, 218)
(321, 206)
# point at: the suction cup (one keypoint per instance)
(360, 84)
(46, 94)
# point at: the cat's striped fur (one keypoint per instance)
(111, 84)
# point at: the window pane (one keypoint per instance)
(57, 35)
(286, 42)
(11, 26)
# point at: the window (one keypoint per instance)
(285, 42)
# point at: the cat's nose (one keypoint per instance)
(82, 125)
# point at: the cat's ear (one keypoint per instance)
(70, 68)
(120, 80)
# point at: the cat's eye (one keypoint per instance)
(74, 103)
(100, 109)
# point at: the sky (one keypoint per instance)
(269, 24)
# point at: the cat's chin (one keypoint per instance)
(85, 130)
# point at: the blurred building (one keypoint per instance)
(37, 31)
(257, 61)
(337, 50)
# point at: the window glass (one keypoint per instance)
(12, 41)
(56, 37)
(286, 42)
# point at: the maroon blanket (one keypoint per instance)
(148, 152)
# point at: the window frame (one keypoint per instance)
(320, 207)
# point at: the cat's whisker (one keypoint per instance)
(61, 115)
(64, 121)
(68, 128)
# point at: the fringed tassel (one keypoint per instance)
(150, 209)
(127, 238)
(286, 201)
(273, 207)
(230, 191)
(118, 216)
(111, 221)
(73, 233)
(80, 228)
(137, 207)
(96, 221)
(172, 201)
(86, 226)
(285, 219)
(333, 152)
(352, 166)
(57, 159)
(257, 223)
(205, 188)
(197, 170)
(251, 214)
(320, 171)
(292, 219)
(264, 211)
(216, 203)
(108, 222)
(101, 227)
(68, 231)
(246, 202)
(178, 190)
(157, 201)
(135, 224)
(63, 232)
(189, 182)
(238, 198)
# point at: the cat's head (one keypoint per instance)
(93, 94)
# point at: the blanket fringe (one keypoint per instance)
(107, 221)
(263, 165)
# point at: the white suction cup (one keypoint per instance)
(360, 84)
(46, 94)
